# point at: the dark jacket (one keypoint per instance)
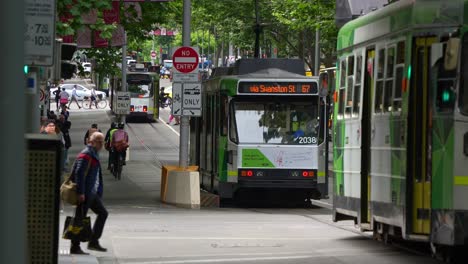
(85, 183)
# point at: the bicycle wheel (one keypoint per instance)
(119, 167)
(86, 103)
(168, 101)
(102, 104)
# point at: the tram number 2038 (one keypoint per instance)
(307, 140)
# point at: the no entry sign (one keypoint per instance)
(185, 59)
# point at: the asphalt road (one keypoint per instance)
(142, 230)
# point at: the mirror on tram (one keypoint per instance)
(451, 54)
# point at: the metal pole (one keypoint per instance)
(184, 120)
(13, 223)
(124, 70)
(317, 52)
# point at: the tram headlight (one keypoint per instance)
(132, 108)
(145, 108)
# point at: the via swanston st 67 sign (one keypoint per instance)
(185, 60)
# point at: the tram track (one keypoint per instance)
(147, 147)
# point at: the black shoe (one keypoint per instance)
(77, 251)
(124, 163)
(95, 246)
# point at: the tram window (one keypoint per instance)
(398, 86)
(349, 97)
(388, 96)
(378, 97)
(232, 127)
(350, 65)
(380, 64)
(390, 61)
(343, 73)
(358, 69)
(357, 100)
(341, 102)
(400, 58)
(224, 115)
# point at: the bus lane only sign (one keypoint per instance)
(123, 103)
(185, 60)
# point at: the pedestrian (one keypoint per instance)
(89, 132)
(107, 141)
(48, 127)
(64, 126)
(74, 97)
(90, 189)
(65, 112)
(57, 98)
(93, 98)
(63, 98)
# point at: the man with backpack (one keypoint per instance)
(89, 132)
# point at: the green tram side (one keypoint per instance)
(262, 127)
(400, 122)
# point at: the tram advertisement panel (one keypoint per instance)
(274, 157)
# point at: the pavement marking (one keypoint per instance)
(175, 131)
(253, 259)
(218, 238)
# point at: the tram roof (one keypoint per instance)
(401, 15)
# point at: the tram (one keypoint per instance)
(400, 122)
(262, 127)
(144, 90)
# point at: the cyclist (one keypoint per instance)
(107, 141)
(119, 143)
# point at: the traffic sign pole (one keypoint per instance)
(184, 120)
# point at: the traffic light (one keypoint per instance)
(445, 96)
(26, 69)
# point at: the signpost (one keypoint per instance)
(123, 103)
(39, 32)
(153, 54)
(186, 89)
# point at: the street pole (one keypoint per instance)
(317, 52)
(13, 223)
(124, 71)
(184, 120)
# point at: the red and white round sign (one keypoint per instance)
(185, 59)
(153, 54)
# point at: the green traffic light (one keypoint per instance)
(26, 69)
(446, 96)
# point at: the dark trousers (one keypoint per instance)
(95, 204)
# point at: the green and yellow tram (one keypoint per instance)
(262, 127)
(400, 122)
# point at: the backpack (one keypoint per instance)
(90, 132)
(119, 140)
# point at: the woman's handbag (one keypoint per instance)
(63, 100)
(68, 192)
(77, 229)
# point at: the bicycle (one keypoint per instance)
(165, 101)
(116, 168)
(100, 103)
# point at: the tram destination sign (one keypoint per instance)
(293, 88)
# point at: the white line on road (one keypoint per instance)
(175, 131)
(219, 238)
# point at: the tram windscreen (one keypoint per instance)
(288, 122)
(140, 90)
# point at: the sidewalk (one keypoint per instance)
(78, 259)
